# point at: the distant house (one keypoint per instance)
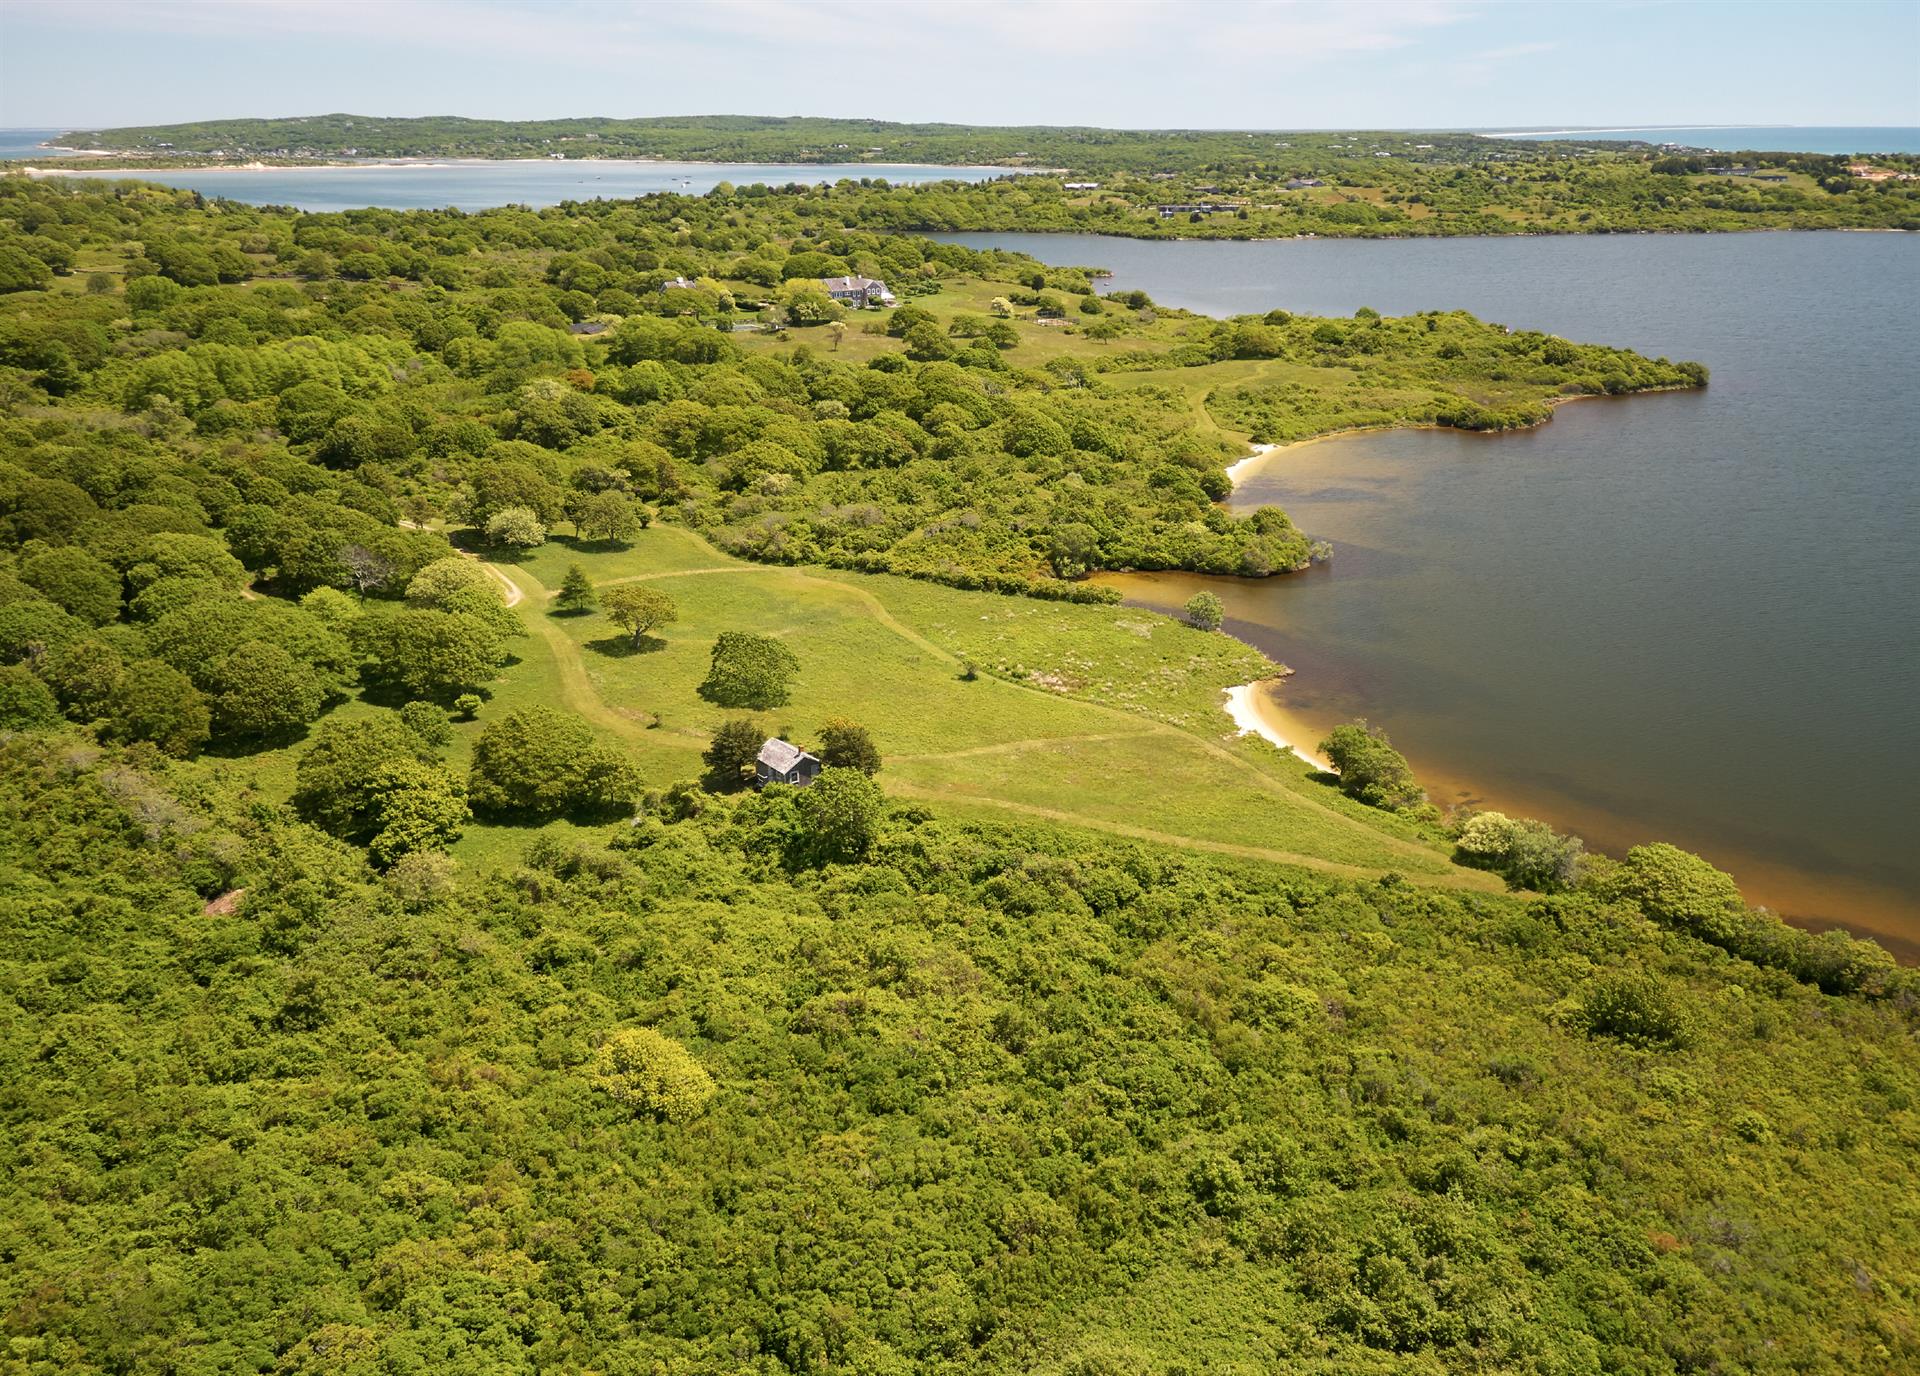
(679, 283)
(1081, 186)
(588, 327)
(781, 762)
(1167, 212)
(858, 292)
(1302, 183)
(1769, 176)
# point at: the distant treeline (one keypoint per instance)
(1154, 184)
(754, 138)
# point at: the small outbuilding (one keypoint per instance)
(782, 762)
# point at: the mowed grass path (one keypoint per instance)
(1115, 725)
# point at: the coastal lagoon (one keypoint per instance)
(478, 183)
(1692, 616)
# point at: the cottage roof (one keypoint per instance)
(833, 284)
(780, 756)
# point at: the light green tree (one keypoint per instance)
(636, 609)
(26, 703)
(445, 578)
(653, 1073)
(416, 806)
(518, 527)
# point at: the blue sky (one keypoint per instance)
(1154, 63)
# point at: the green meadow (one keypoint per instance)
(1103, 718)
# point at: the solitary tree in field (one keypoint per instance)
(637, 609)
(749, 671)
(576, 591)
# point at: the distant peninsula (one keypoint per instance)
(1186, 183)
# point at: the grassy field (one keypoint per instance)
(1099, 717)
(1093, 717)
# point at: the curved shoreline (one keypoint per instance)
(1244, 705)
(1245, 700)
(1241, 470)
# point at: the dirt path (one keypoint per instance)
(1465, 879)
(510, 588)
(576, 687)
(1013, 747)
(692, 573)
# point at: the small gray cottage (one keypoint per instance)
(781, 762)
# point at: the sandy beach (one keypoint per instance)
(1252, 709)
(1236, 472)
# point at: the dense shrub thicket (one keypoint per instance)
(693, 1096)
